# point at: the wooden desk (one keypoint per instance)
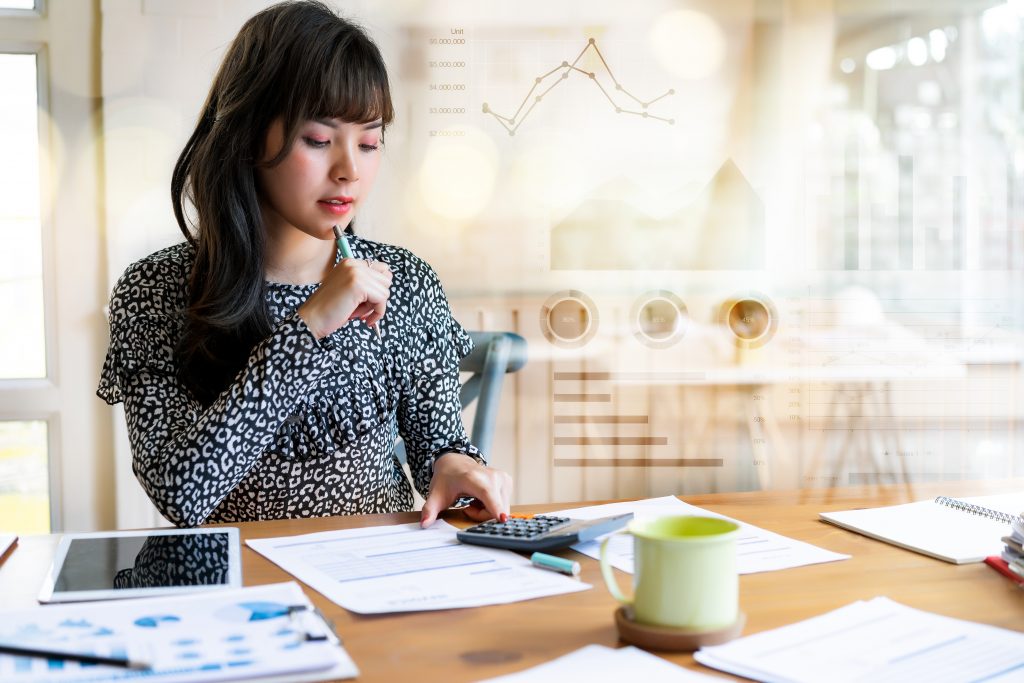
(471, 644)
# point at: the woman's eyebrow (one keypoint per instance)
(333, 123)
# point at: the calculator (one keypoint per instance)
(531, 533)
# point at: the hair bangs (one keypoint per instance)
(355, 85)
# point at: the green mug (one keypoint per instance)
(684, 572)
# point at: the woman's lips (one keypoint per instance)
(337, 207)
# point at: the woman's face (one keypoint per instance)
(323, 180)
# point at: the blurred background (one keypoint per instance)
(751, 244)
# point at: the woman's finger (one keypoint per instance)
(488, 492)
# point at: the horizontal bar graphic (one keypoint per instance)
(638, 462)
(611, 441)
(583, 398)
(601, 419)
(629, 376)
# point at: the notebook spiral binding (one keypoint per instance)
(980, 511)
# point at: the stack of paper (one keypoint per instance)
(248, 634)
(757, 550)
(403, 568)
(1013, 553)
(600, 664)
(878, 640)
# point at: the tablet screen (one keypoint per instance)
(98, 566)
(144, 562)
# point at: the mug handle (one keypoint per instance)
(609, 577)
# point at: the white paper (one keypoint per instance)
(600, 664)
(757, 550)
(935, 530)
(224, 635)
(879, 641)
(403, 568)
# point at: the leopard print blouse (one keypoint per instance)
(308, 427)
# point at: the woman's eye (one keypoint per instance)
(368, 148)
(317, 144)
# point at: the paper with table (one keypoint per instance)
(946, 533)
(600, 664)
(403, 568)
(247, 633)
(874, 641)
(757, 550)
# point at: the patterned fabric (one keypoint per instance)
(193, 560)
(308, 427)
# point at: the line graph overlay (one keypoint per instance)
(512, 123)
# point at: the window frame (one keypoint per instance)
(38, 399)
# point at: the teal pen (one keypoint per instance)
(346, 252)
(558, 564)
(342, 242)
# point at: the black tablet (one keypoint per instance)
(134, 564)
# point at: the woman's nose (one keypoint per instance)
(344, 167)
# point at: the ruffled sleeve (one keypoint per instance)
(189, 457)
(145, 342)
(429, 414)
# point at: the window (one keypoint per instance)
(51, 322)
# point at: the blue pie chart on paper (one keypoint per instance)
(253, 611)
(156, 620)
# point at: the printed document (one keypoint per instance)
(757, 550)
(256, 633)
(874, 641)
(403, 568)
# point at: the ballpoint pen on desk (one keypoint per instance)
(26, 650)
(346, 252)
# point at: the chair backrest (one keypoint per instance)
(494, 354)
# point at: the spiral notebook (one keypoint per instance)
(955, 530)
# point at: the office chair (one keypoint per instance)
(494, 354)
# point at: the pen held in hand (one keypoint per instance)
(346, 252)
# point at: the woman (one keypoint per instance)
(263, 375)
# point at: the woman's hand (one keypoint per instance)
(356, 288)
(457, 475)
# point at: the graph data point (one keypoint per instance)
(487, 110)
(644, 105)
(644, 115)
(565, 63)
(511, 133)
(565, 75)
(537, 99)
(618, 87)
(618, 110)
(591, 41)
(536, 80)
(592, 74)
(671, 122)
(672, 92)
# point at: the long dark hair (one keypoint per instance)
(294, 61)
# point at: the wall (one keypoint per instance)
(735, 186)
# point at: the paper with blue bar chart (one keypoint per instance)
(245, 634)
(403, 568)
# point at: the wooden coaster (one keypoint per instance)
(674, 639)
